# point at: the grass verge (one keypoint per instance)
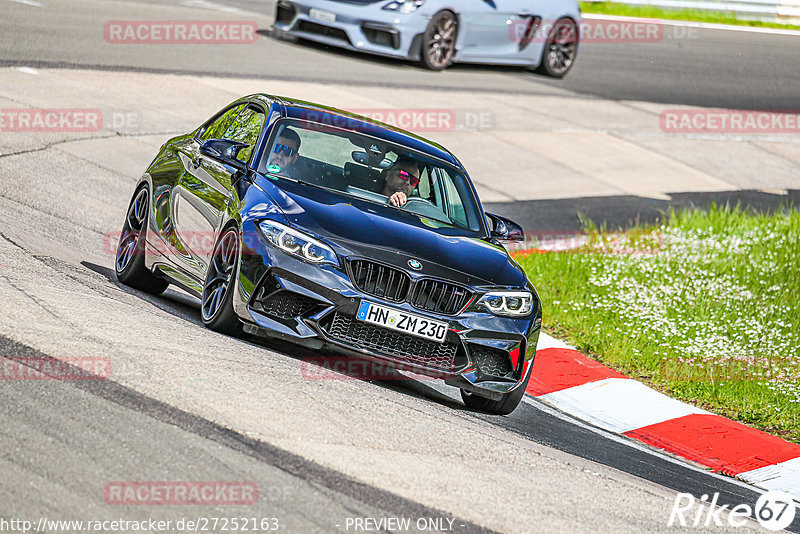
(703, 308)
(692, 15)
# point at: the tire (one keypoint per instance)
(438, 45)
(217, 299)
(560, 49)
(507, 404)
(129, 260)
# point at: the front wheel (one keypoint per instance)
(560, 50)
(129, 261)
(439, 41)
(507, 403)
(217, 299)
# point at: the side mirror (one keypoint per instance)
(505, 229)
(225, 150)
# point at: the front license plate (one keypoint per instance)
(393, 319)
(319, 14)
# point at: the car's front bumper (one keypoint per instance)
(283, 297)
(362, 28)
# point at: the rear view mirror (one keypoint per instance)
(503, 229)
(365, 159)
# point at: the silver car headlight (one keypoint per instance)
(508, 303)
(404, 6)
(297, 244)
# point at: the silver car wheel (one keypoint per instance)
(439, 44)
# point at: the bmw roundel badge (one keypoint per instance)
(414, 264)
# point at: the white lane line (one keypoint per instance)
(28, 70)
(618, 404)
(784, 476)
(549, 342)
(28, 3)
(688, 24)
(205, 4)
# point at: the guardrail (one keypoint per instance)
(787, 12)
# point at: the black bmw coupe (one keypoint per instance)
(305, 223)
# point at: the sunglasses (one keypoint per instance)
(287, 150)
(408, 177)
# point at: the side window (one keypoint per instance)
(424, 187)
(246, 129)
(455, 208)
(217, 129)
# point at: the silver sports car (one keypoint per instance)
(542, 34)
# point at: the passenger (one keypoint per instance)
(401, 179)
(285, 151)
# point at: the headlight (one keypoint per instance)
(297, 243)
(404, 6)
(508, 303)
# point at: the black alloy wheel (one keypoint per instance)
(217, 298)
(129, 261)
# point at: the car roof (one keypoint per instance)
(300, 109)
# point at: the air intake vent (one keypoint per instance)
(440, 297)
(398, 346)
(287, 304)
(284, 13)
(491, 361)
(380, 280)
(321, 29)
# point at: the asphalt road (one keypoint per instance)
(64, 428)
(689, 66)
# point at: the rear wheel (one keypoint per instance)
(217, 298)
(507, 403)
(129, 262)
(439, 41)
(560, 50)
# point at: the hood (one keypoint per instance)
(355, 227)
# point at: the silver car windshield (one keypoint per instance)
(361, 166)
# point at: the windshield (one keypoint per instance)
(361, 166)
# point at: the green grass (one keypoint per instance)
(703, 308)
(693, 15)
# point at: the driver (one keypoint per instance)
(285, 151)
(401, 179)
